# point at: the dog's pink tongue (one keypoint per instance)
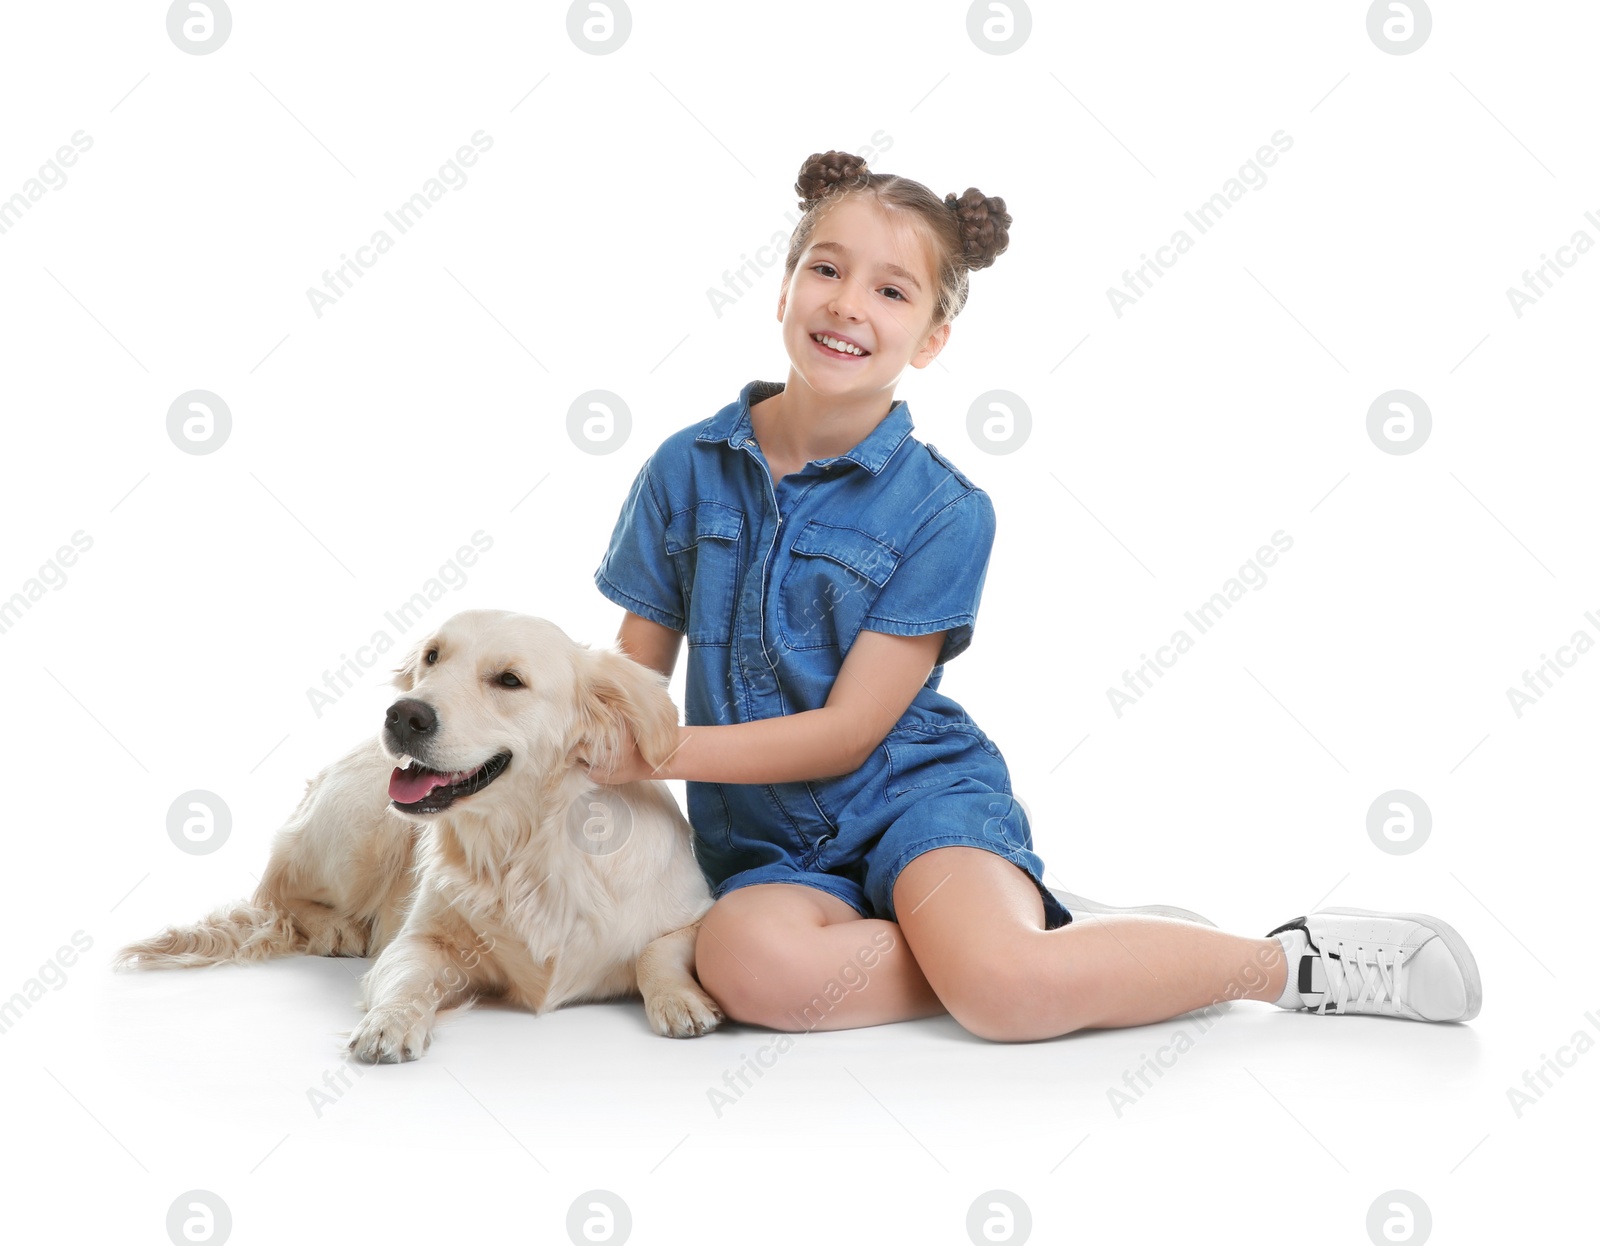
(410, 786)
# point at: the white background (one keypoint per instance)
(371, 442)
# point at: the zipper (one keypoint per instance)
(766, 562)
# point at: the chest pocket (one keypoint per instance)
(832, 579)
(705, 545)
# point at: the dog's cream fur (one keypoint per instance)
(507, 892)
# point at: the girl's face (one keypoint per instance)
(865, 279)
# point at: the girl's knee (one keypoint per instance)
(993, 993)
(989, 1000)
(747, 961)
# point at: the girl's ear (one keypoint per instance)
(613, 691)
(932, 346)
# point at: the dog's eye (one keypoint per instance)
(431, 657)
(509, 680)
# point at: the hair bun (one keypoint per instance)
(823, 171)
(984, 222)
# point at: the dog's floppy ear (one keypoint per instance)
(614, 690)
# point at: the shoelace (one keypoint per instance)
(1377, 972)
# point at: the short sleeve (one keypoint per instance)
(636, 572)
(937, 583)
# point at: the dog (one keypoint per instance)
(467, 848)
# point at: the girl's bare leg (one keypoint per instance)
(970, 940)
(975, 923)
(792, 957)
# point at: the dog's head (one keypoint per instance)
(493, 697)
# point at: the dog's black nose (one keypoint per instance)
(409, 722)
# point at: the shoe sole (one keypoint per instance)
(1082, 904)
(1452, 940)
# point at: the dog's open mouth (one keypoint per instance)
(415, 789)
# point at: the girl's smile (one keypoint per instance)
(824, 343)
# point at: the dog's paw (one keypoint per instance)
(391, 1036)
(683, 1013)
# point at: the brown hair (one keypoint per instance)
(969, 231)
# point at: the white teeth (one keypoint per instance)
(836, 344)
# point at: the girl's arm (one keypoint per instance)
(880, 677)
(649, 643)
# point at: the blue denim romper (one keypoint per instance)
(771, 584)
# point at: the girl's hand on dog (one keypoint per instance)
(629, 765)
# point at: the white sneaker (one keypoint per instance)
(1082, 904)
(1398, 964)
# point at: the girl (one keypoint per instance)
(857, 827)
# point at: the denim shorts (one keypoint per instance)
(928, 785)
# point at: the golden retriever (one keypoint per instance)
(467, 848)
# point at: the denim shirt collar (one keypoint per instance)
(733, 425)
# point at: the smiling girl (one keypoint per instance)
(855, 822)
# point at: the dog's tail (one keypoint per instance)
(241, 933)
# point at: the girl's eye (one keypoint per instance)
(899, 297)
(432, 657)
(509, 680)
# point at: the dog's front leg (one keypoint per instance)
(436, 962)
(674, 1002)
